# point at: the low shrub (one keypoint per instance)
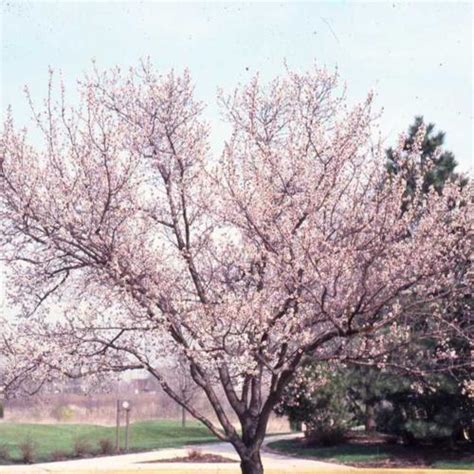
(28, 449)
(4, 452)
(317, 397)
(195, 455)
(326, 435)
(82, 447)
(59, 455)
(106, 446)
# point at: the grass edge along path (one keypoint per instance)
(354, 453)
(50, 439)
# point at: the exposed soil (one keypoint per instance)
(197, 456)
(362, 437)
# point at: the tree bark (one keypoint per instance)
(252, 464)
(369, 418)
(249, 445)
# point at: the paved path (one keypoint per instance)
(143, 462)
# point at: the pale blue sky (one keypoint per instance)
(416, 56)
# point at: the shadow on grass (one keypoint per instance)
(380, 454)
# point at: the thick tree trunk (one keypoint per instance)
(252, 464)
(370, 423)
(249, 448)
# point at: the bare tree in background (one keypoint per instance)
(187, 388)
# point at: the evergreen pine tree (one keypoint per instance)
(434, 168)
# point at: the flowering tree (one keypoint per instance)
(290, 245)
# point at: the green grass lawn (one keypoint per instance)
(145, 435)
(359, 453)
(453, 465)
(343, 453)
